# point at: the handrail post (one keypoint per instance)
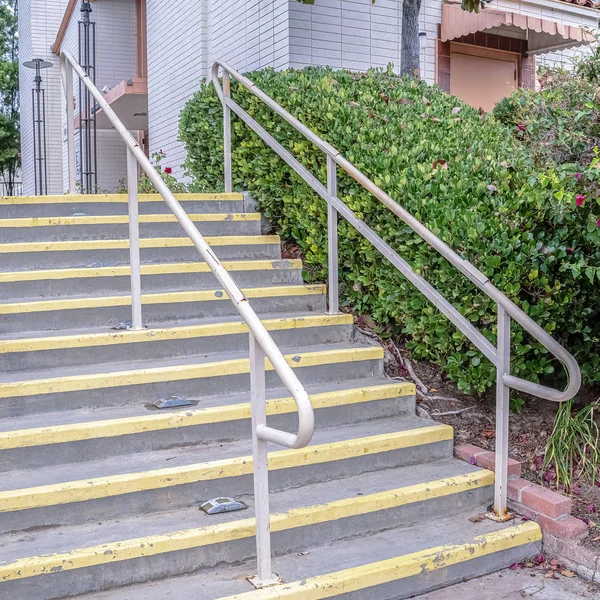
(67, 77)
(502, 415)
(332, 237)
(227, 131)
(265, 576)
(134, 241)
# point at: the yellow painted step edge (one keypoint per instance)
(244, 528)
(94, 381)
(128, 483)
(26, 222)
(398, 568)
(76, 432)
(149, 269)
(277, 291)
(114, 198)
(176, 242)
(88, 340)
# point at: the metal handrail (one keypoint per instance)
(499, 355)
(262, 344)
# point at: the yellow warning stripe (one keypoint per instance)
(176, 242)
(398, 568)
(235, 530)
(151, 269)
(76, 432)
(114, 198)
(87, 340)
(122, 219)
(94, 381)
(14, 308)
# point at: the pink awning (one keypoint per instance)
(544, 35)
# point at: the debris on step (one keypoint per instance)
(217, 506)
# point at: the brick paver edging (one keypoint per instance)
(551, 510)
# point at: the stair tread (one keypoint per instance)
(390, 481)
(224, 581)
(168, 326)
(89, 415)
(134, 366)
(192, 455)
(156, 297)
(101, 198)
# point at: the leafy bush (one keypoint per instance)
(465, 177)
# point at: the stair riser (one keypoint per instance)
(293, 540)
(58, 233)
(70, 452)
(183, 496)
(108, 286)
(23, 261)
(167, 349)
(191, 388)
(446, 576)
(153, 314)
(117, 208)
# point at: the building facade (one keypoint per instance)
(151, 56)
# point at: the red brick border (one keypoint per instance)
(551, 510)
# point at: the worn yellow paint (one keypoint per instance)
(115, 485)
(122, 219)
(75, 432)
(94, 381)
(86, 340)
(152, 269)
(235, 530)
(398, 568)
(176, 242)
(14, 308)
(113, 198)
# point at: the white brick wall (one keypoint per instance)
(38, 23)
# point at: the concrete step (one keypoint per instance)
(152, 482)
(144, 382)
(392, 565)
(115, 204)
(108, 311)
(96, 346)
(48, 439)
(23, 256)
(54, 229)
(175, 543)
(162, 277)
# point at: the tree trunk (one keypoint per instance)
(410, 60)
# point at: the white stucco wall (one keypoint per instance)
(38, 23)
(116, 61)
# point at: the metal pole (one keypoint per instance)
(265, 574)
(227, 132)
(134, 241)
(68, 83)
(502, 414)
(332, 237)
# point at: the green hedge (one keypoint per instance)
(462, 175)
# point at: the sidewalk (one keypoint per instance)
(513, 585)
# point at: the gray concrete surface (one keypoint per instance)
(522, 583)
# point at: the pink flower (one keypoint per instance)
(578, 176)
(598, 223)
(161, 151)
(168, 170)
(580, 199)
(521, 127)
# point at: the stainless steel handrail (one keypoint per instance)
(261, 343)
(499, 355)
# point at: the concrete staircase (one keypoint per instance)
(100, 492)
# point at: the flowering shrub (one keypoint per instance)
(147, 187)
(467, 178)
